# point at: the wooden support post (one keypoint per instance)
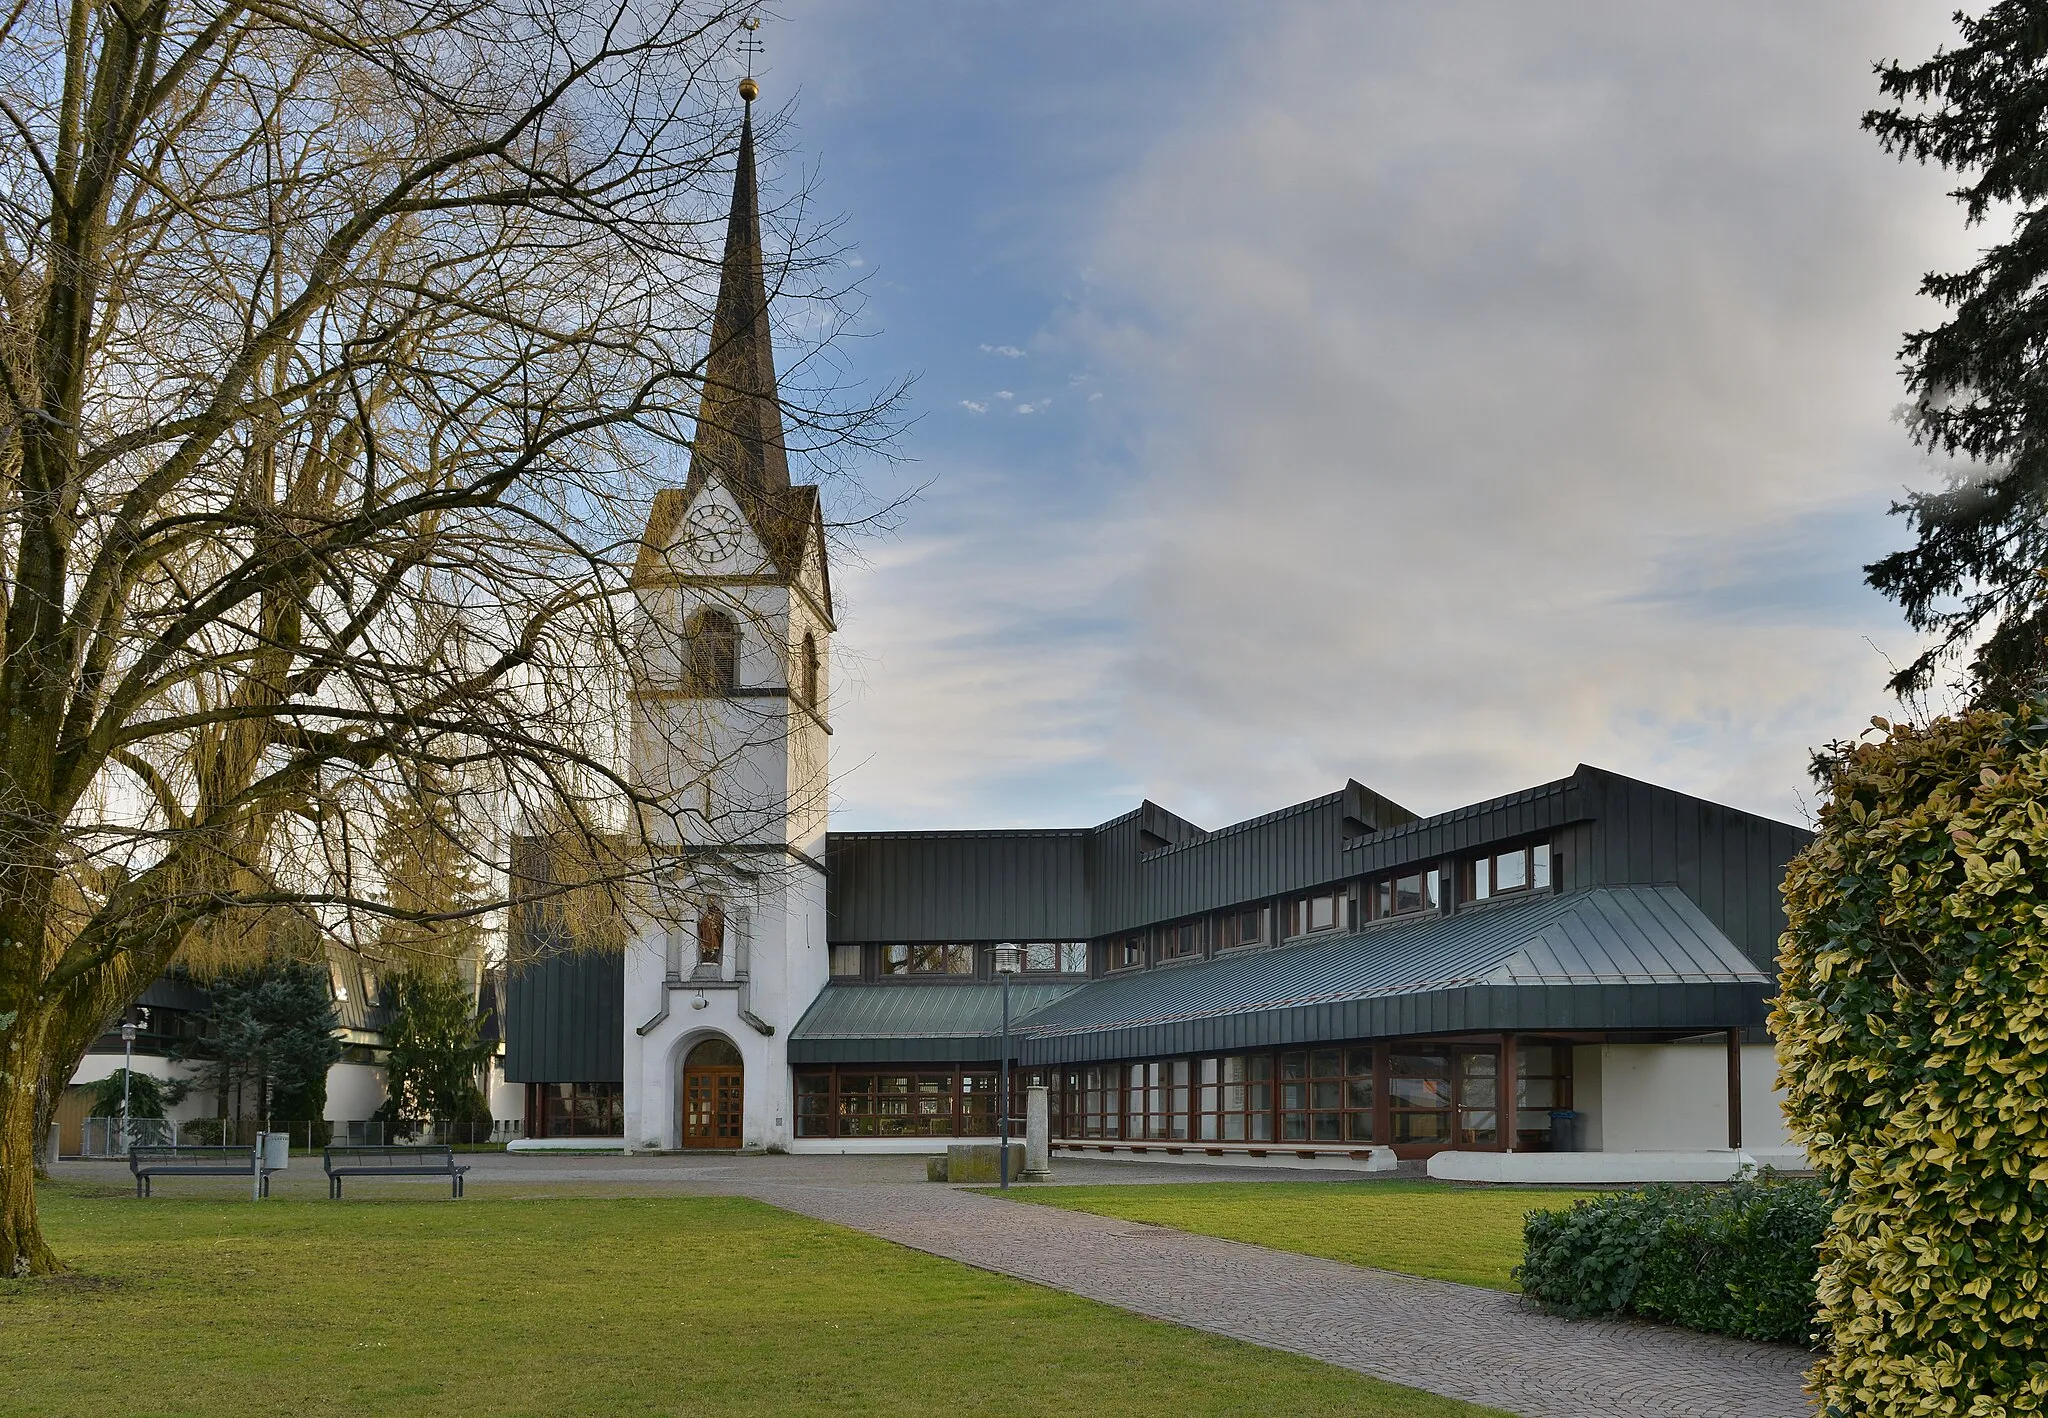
(1506, 1097)
(1734, 1090)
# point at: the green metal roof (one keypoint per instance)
(1617, 957)
(913, 1021)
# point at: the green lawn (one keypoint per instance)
(682, 1305)
(1468, 1234)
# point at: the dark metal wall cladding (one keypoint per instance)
(1540, 809)
(1731, 863)
(565, 1020)
(1290, 850)
(1144, 867)
(958, 886)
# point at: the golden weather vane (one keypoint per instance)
(750, 45)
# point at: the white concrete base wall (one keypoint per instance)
(1674, 1098)
(355, 1091)
(566, 1144)
(94, 1067)
(1589, 1168)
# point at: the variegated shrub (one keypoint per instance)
(1913, 1044)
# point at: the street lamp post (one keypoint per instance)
(1009, 960)
(127, 1073)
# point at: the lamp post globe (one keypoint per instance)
(1009, 960)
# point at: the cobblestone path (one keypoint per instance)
(1457, 1340)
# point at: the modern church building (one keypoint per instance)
(1567, 981)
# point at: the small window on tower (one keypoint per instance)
(810, 669)
(714, 653)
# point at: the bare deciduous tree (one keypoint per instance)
(343, 345)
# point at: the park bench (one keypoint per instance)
(339, 1162)
(149, 1163)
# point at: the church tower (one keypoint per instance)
(730, 733)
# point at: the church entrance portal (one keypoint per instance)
(712, 1078)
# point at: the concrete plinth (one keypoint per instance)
(976, 1162)
(1037, 1134)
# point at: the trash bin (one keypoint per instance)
(277, 1150)
(1564, 1130)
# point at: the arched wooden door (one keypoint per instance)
(712, 1079)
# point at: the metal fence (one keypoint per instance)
(103, 1137)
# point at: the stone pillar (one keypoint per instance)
(1037, 1134)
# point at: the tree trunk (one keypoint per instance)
(22, 1248)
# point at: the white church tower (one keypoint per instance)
(730, 734)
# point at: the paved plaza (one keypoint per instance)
(1461, 1341)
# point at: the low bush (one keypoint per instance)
(1737, 1260)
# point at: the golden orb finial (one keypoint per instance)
(749, 90)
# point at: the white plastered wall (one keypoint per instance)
(765, 757)
(1674, 1097)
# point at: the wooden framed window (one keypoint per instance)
(1478, 1097)
(1178, 941)
(846, 962)
(1057, 958)
(1234, 1101)
(1157, 1099)
(1326, 1095)
(1095, 1102)
(1505, 873)
(928, 958)
(1407, 894)
(1309, 915)
(814, 1105)
(1246, 926)
(578, 1109)
(1127, 953)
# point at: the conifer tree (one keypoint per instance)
(1977, 573)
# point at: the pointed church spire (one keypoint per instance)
(739, 419)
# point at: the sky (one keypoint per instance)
(1435, 395)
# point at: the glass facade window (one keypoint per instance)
(1542, 1082)
(814, 1105)
(845, 961)
(1504, 873)
(948, 958)
(1478, 1097)
(1061, 958)
(1326, 1095)
(1156, 1100)
(1096, 1109)
(1235, 1099)
(1419, 1094)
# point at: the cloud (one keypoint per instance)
(1509, 388)
(1006, 351)
(1033, 408)
(1508, 448)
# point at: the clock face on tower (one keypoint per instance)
(712, 533)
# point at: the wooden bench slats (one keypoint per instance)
(153, 1161)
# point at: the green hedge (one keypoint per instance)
(1737, 1260)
